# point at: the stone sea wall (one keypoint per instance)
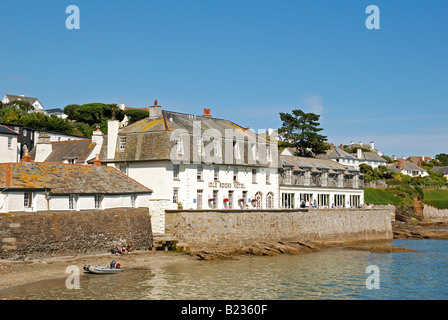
(430, 212)
(43, 234)
(242, 227)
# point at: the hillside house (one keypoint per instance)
(408, 168)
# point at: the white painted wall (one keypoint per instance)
(9, 154)
(14, 201)
(158, 176)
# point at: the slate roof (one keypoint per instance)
(31, 100)
(150, 138)
(6, 130)
(77, 150)
(67, 178)
(313, 164)
(338, 153)
(403, 165)
(418, 159)
(55, 110)
(369, 156)
(442, 170)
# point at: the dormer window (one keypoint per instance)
(122, 143)
(216, 147)
(179, 145)
(236, 148)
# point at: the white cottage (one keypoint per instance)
(33, 101)
(31, 186)
(9, 145)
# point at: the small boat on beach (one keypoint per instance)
(112, 268)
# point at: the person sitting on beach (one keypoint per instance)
(121, 249)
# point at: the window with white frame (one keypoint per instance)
(27, 199)
(179, 145)
(254, 175)
(175, 195)
(270, 200)
(216, 173)
(123, 168)
(254, 151)
(198, 145)
(288, 176)
(200, 172)
(133, 200)
(71, 201)
(9, 142)
(98, 201)
(236, 147)
(175, 171)
(122, 143)
(288, 200)
(268, 153)
(216, 144)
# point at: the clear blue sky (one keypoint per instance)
(246, 60)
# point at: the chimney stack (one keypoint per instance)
(97, 161)
(112, 137)
(43, 147)
(359, 153)
(207, 113)
(26, 157)
(155, 111)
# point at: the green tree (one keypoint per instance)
(135, 114)
(443, 159)
(19, 104)
(301, 131)
(70, 109)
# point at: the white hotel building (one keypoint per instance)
(199, 162)
(196, 162)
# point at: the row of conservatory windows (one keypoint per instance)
(288, 201)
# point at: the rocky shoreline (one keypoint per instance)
(420, 230)
(411, 229)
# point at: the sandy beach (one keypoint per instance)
(15, 273)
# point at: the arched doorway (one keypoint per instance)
(259, 202)
(270, 200)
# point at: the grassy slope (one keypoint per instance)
(381, 196)
(435, 197)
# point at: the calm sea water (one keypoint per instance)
(335, 274)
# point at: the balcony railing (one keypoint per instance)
(319, 181)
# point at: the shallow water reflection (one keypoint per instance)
(335, 273)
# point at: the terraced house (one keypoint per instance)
(195, 162)
(33, 187)
(324, 182)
